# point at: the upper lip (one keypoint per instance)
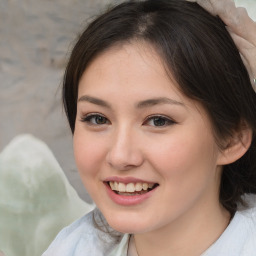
(127, 180)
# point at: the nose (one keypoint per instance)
(124, 152)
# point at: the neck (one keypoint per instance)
(185, 236)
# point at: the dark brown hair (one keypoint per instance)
(199, 53)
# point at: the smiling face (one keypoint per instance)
(137, 133)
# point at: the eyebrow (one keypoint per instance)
(157, 101)
(95, 101)
(141, 104)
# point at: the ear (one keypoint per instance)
(236, 146)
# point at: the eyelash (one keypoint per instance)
(88, 119)
(167, 121)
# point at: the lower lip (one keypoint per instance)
(128, 200)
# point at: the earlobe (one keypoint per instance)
(237, 146)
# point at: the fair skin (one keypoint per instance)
(134, 123)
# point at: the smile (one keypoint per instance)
(128, 191)
(131, 189)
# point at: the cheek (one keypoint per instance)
(88, 155)
(187, 168)
(186, 159)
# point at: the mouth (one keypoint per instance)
(131, 189)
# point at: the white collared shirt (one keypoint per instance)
(82, 238)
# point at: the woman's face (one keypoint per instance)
(136, 132)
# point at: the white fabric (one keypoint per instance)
(239, 238)
(82, 239)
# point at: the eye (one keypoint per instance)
(95, 119)
(158, 121)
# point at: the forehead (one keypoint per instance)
(140, 52)
(131, 72)
(130, 68)
(126, 64)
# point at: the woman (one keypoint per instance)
(163, 115)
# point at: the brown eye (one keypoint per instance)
(158, 121)
(95, 119)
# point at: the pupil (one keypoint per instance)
(100, 120)
(159, 121)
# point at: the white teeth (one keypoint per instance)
(145, 186)
(121, 187)
(115, 185)
(151, 185)
(112, 185)
(130, 187)
(138, 186)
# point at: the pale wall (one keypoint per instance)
(35, 36)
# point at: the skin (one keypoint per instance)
(241, 28)
(183, 216)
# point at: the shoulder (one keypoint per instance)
(246, 226)
(83, 238)
(246, 216)
(239, 239)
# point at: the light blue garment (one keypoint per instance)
(239, 238)
(82, 238)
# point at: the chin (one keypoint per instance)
(127, 225)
